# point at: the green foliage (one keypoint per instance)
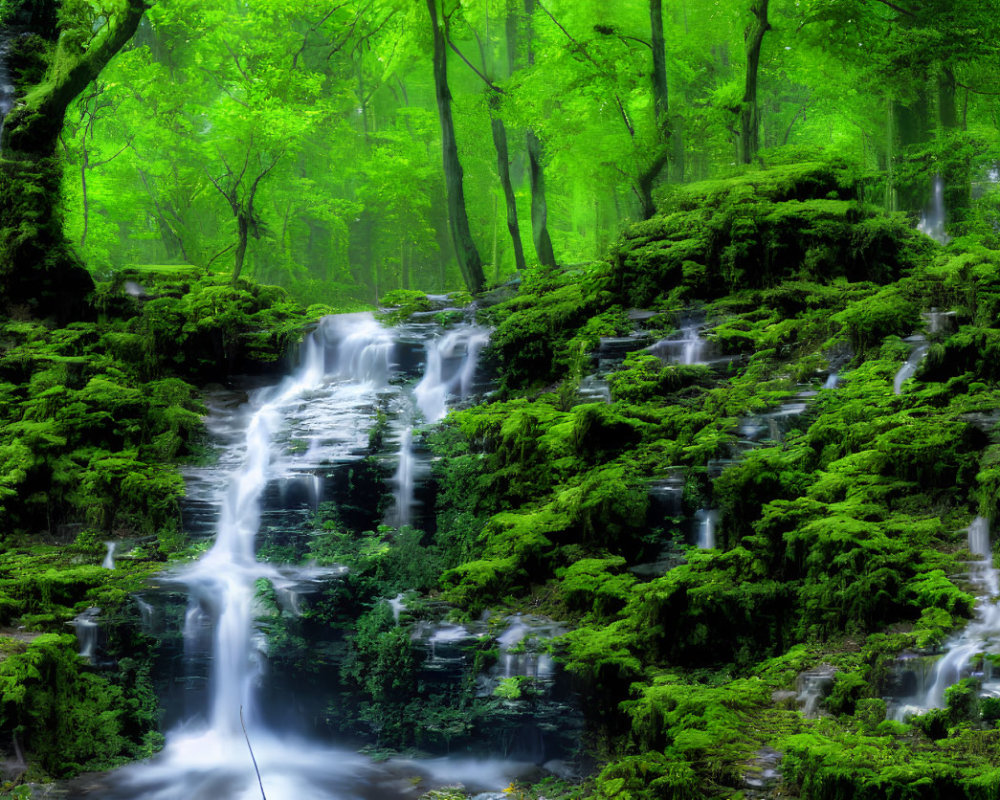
(69, 719)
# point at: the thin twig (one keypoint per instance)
(256, 769)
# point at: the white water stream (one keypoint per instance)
(982, 635)
(7, 92)
(909, 368)
(686, 347)
(329, 402)
(932, 220)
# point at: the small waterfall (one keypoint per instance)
(909, 368)
(145, 614)
(594, 389)
(523, 651)
(961, 650)
(6, 80)
(87, 629)
(932, 219)
(812, 686)
(706, 522)
(403, 480)
(449, 372)
(452, 360)
(831, 380)
(397, 605)
(686, 348)
(938, 321)
(109, 556)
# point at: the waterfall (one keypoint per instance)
(449, 372)
(451, 367)
(831, 380)
(87, 629)
(6, 80)
(706, 521)
(397, 605)
(318, 417)
(687, 348)
(962, 649)
(932, 219)
(109, 556)
(909, 368)
(403, 480)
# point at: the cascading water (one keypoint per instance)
(686, 348)
(705, 523)
(6, 81)
(979, 636)
(403, 480)
(329, 403)
(932, 220)
(451, 367)
(449, 373)
(87, 629)
(909, 368)
(109, 556)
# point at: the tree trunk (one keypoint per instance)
(539, 206)
(749, 110)
(243, 225)
(678, 162)
(913, 126)
(958, 170)
(469, 262)
(660, 96)
(39, 270)
(503, 168)
(83, 192)
(659, 156)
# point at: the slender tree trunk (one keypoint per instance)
(661, 103)
(83, 191)
(503, 168)
(496, 241)
(678, 161)
(243, 226)
(659, 157)
(539, 206)
(749, 110)
(469, 261)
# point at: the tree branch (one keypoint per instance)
(470, 65)
(583, 51)
(976, 91)
(112, 158)
(896, 8)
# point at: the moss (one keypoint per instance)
(401, 304)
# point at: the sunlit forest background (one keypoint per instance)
(316, 125)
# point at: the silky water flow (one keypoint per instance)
(329, 401)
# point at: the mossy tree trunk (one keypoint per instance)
(749, 109)
(40, 274)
